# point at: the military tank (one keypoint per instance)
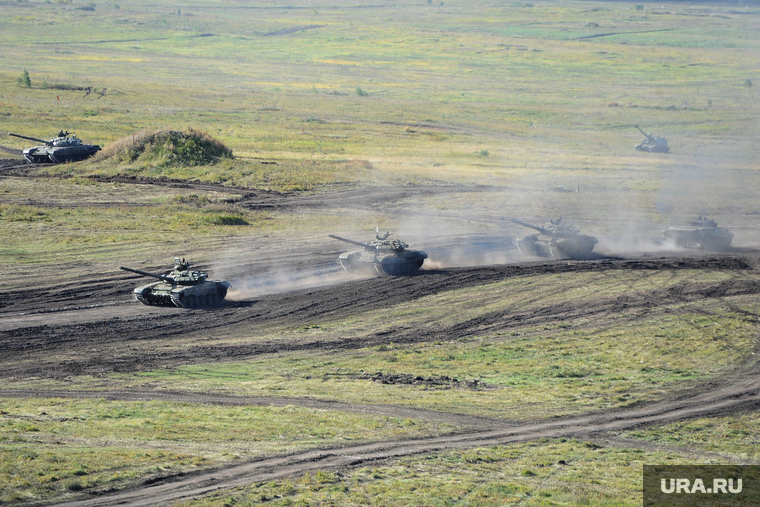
(382, 256)
(652, 144)
(64, 148)
(181, 287)
(702, 233)
(556, 240)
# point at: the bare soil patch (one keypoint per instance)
(97, 314)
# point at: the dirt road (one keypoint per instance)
(93, 325)
(741, 396)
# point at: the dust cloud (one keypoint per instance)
(280, 281)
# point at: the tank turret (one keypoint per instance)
(181, 287)
(556, 240)
(382, 256)
(61, 149)
(652, 143)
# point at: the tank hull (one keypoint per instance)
(652, 148)
(578, 247)
(56, 155)
(703, 238)
(407, 262)
(204, 294)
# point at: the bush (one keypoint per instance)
(167, 148)
(74, 486)
(362, 93)
(24, 80)
(228, 220)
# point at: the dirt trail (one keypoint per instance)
(39, 326)
(744, 395)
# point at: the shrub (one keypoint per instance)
(74, 486)
(361, 93)
(228, 220)
(165, 148)
(24, 80)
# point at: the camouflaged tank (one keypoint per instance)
(556, 241)
(382, 256)
(181, 287)
(652, 144)
(703, 233)
(64, 148)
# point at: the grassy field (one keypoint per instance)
(313, 97)
(526, 372)
(545, 472)
(52, 447)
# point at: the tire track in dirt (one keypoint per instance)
(741, 396)
(258, 199)
(142, 338)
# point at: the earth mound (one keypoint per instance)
(167, 148)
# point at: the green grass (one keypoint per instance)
(734, 435)
(514, 81)
(445, 84)
(526, 474)
(53, 447)
(542, 373)
(576, 365)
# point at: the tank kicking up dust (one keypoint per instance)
(652, 144)
(702, 233)
(556, 241)
(181, 287)
(382, 256)
(64, 148)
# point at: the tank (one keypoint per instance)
(652, 144)
(181, 287)
(64, 148)
(557, 241)
(382, 256)
(703, 233)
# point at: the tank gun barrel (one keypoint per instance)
(539, 229)
(645, 134)
(358, 243)
(49, 143)
(145, 273)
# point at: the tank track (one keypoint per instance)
(177, 302)
(152, 301)
(32, 159)
(398, 269)
(183, 302)
(206, 301)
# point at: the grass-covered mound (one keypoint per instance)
(167, 148)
